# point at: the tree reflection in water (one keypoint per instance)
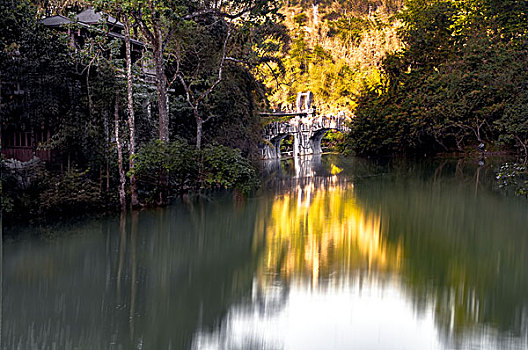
(334, 253)
(456, 255)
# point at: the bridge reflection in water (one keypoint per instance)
(318, 232)
(320, 256)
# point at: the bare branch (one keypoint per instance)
(275, 76)
(188, 93)
(220, 69)
(169, 34)
(217, 13)
(209, 118)
(89, 66)
(236, 60)
(177, 73)
(138, 16)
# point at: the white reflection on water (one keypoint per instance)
(359, 315)
(326, 280)
(374, 314)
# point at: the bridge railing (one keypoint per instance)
(307, 124)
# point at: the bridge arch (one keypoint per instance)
(307, 135)
(272, 150)
(315, 140)
(317, 137)
(306, 127)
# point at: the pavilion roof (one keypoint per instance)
(89, 16)
(87, 19)
(55, 21)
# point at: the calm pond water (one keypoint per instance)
(333, 254)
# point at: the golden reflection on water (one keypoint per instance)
(318, 232)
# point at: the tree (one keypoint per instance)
(153, 18)
(160, 21)
(457, 82)
(53, 7)
(120, 11)
(193, 98)
(213, 25)
(131, 114)
(122, 180)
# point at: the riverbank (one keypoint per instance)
(454, 85)
(74, 201)
(36, 192)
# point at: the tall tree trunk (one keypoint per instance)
(199, 127)
(161, 85)
(107, 149)
(524, 147)
(131, 115)
(153, 33)
(163, 112)
(122, 198)
(155, 39)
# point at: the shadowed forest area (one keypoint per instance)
(127, 103)
(117, 104)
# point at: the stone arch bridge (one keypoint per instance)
(306, 127)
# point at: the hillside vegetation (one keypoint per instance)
(332, 48)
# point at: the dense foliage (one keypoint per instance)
(333, 48)
(70, 81)
(460, 81)
(211, 168)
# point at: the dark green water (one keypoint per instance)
(333, 254)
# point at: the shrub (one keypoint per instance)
(177, 160)
(224, 167)
(188, 169)
(71, 192)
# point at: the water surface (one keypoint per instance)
(333, 253)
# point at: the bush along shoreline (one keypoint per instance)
(32, 192)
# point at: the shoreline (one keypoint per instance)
(18, 219)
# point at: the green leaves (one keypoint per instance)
(212, 168)
(70, 192)
(349, 30)
(458, 82)
(177, 159)
(224, 167)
